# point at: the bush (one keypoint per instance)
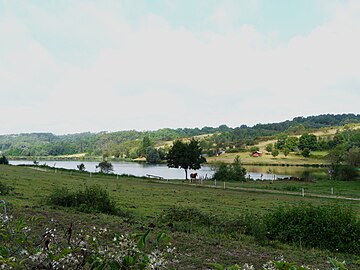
(81, 167)
(306, 152)
(344, 172)
(187, 219)
(328, 227)
(20, 248)
(4, 160)
(92, 199)
(275, 153)
(105, 167)
(5, 189)
(230, 172)
(254, 149)
(325, 227)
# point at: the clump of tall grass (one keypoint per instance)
(5, 189)
(91, 199)
(189, 219)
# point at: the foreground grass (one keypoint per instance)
(148, 200)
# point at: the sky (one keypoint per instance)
(108, 65)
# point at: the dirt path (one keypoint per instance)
(38, 169)
(267, 191)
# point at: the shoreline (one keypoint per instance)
(211, 163)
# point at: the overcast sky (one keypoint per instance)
(107, 65)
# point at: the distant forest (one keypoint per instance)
(132, 143)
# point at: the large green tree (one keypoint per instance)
(308, 141)
(186, 156)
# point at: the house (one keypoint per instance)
(256, 154)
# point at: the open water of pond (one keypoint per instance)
(141, 169)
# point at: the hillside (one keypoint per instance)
(130, 143)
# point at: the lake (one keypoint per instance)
(142, 169)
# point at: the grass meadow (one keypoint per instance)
(146, 201)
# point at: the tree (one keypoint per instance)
(306, 152)
(145, 144)
(275, 153)
(105, 167)
(269, 147)
(186, 156)
(286, 151)
(344, 162)
(81, 167)
(292, 143)
(238, 170)
(352, 156)
(233, 171)
(152, 155)
(281, 141)
(308, 141)
(4, 160)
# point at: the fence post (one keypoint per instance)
(302, 192)
(332, 191)
(224, 185)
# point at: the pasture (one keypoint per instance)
(148, 200)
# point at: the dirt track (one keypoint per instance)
(220, 186)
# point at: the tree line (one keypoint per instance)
(134, 144)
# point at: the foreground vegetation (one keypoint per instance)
(206, 225)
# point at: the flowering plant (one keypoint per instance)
(97, 248)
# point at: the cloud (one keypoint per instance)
(118, 75)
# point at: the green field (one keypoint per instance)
(316, 157)
(148, 200)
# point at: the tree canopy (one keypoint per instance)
(4, 160)
(232, 172)
(105, 167)
(186, 156)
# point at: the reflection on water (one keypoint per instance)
(141, 169)
(283, 171)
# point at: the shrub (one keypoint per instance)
(230, 172)
(4, 160)
(254, 149)
(186, 219)
(344, 172)
(20, 248)
(5, 189)
(280, 264)
(275, 153)
(92, 199)
(328, 227)
(306, 152)
(81, 167)
(105, 167)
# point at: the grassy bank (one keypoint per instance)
(148, 200)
